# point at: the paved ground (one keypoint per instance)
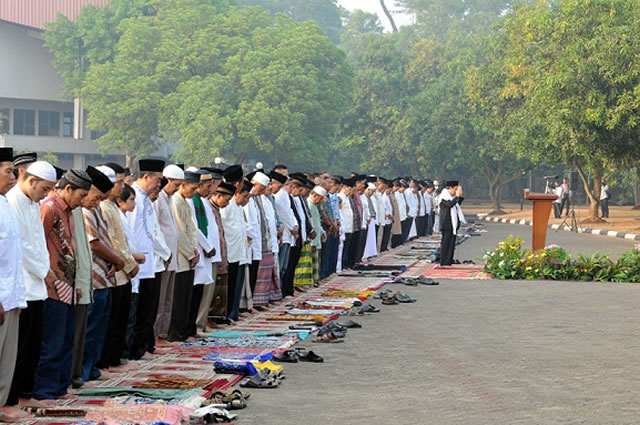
(477, 352)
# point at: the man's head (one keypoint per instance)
(174, 176)
(73, 187)
(150, 174)
(282, 169)
(204, 187)
(22, 162)
(38, 180)
(223, 194)
(127, 199)
(371, 188)
(318, 194)
(7, 178)
(260, 182)
(102, 184)
(243, 195)
(118, 184)
(278, 180)
(190, 184)
(452, 186)
(565, 180)
(128, 178)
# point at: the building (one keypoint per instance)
(33, 115)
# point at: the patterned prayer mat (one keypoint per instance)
(457, 271)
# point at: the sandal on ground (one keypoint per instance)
(368, 308)
(404, 298)
(389, 301)
(311, 357)
(426, 281)
(257, 381)
(328, 338)
(288, 356)
(350, 324)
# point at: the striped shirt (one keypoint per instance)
(97, 231)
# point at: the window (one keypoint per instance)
(95, 135)
(67, 124)
(24, 122)
(4, 121)
(49, 123)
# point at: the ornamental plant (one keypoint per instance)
(510, 261)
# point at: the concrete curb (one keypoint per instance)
(610, 233)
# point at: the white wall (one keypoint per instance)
(26, 71)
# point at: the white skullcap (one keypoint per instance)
(261, 178)
(371, 186)
(107, 171)
(259, 166)
(435, 182)
(43, 170)
(172, 171)
(192, 169)
(320, 191)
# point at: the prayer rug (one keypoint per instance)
(457, 271)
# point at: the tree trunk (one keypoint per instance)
(495, 190)
(389, 16)
(592, 194)
(636, 188)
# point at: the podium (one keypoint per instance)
(542, 203)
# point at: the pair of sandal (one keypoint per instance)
(212, 414)
(421, 280)
(234, 400)
(396, 298)
(298, 354)
(259, 381)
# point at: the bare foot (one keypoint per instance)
(105, 375)
(32, 402)
(147, 356)
(13, 414)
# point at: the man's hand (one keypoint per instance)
(313, 249)
(324, 238)
(459, 192)
(78, 293)
(211, 253)
(313, 234)
(112, 271)
(134, 272)
(119, 264)
(1, 315)
(194, 261)
(139, 257)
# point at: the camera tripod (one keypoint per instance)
(574, 224)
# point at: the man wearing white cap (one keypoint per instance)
(38, 180)
(370, 247)
(164, 212)
(254, 230)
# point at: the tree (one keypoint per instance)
(576, 63)
(219, 81)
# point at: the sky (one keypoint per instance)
(373, 6)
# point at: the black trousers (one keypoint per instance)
(29, 339)
(114, 341)
(429, 225)
(396, 240)
(179, 328)
(143, 337)
(253, 274)
(406, 226)
(346, 250)
(566, 203)
(362, 243)
(604, 205)
(386, 234)
(447, 247)
(232, 276)
(196, 298)
(557, 212)
(290, 274)
(421, 224)
(433, 222)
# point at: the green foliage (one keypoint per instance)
(510, 261)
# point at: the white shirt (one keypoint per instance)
(378, 204)
(142, 223)
(346, 212)
(402, 205)
(254, 229)
(12, 292)
(421, 207)
(270, 214)
(412, 201)
(428, 202)
(558, 192)
(365, 211)
(303, 217)
(235, 233)
(203, 273)
(135, 282)
(388, 209)
(161, 251)
(35, 256)
(604, 192)
(287, 218)
(164, 213)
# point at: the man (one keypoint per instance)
(399, 214)
(330, 256)
(237, 243)
(141, 222)
(317, 195)
(121, 292)
(84, 288)
(214, 255)
(566, 197)
(346, 212)
(128, 177)
(428, 204)
(403, 209)
(163, 207)
(357, 246)
(161, 258)
(219, 200)
(53, 374)
(303, 254)
(36, 183)
(412, 209)
(450, 218)
(557, 203)
(289, 223)
(180, 326)
(254, 231)
(268, 202)
(12, 289)
(267, 274)
(604, 199)
(106, 262)
(370, 248)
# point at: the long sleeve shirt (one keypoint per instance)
(346, 213)
(402, 205)
(115, 227)
(412, 203)
(317, 225)
(12, 290)
(270, 214)
(334, 201)
(97, 231)
(388, 209)
(428, 202)
(235, 233)
(223, 264)
(161, 251)
(206, 243)
(141, 223)
(163, 207)
(58, 231)
(35, 257)
(286, 216)
(84, 258)
(253, 229)
(303, 218)
(187, 239)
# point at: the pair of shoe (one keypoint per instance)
(298, 354)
